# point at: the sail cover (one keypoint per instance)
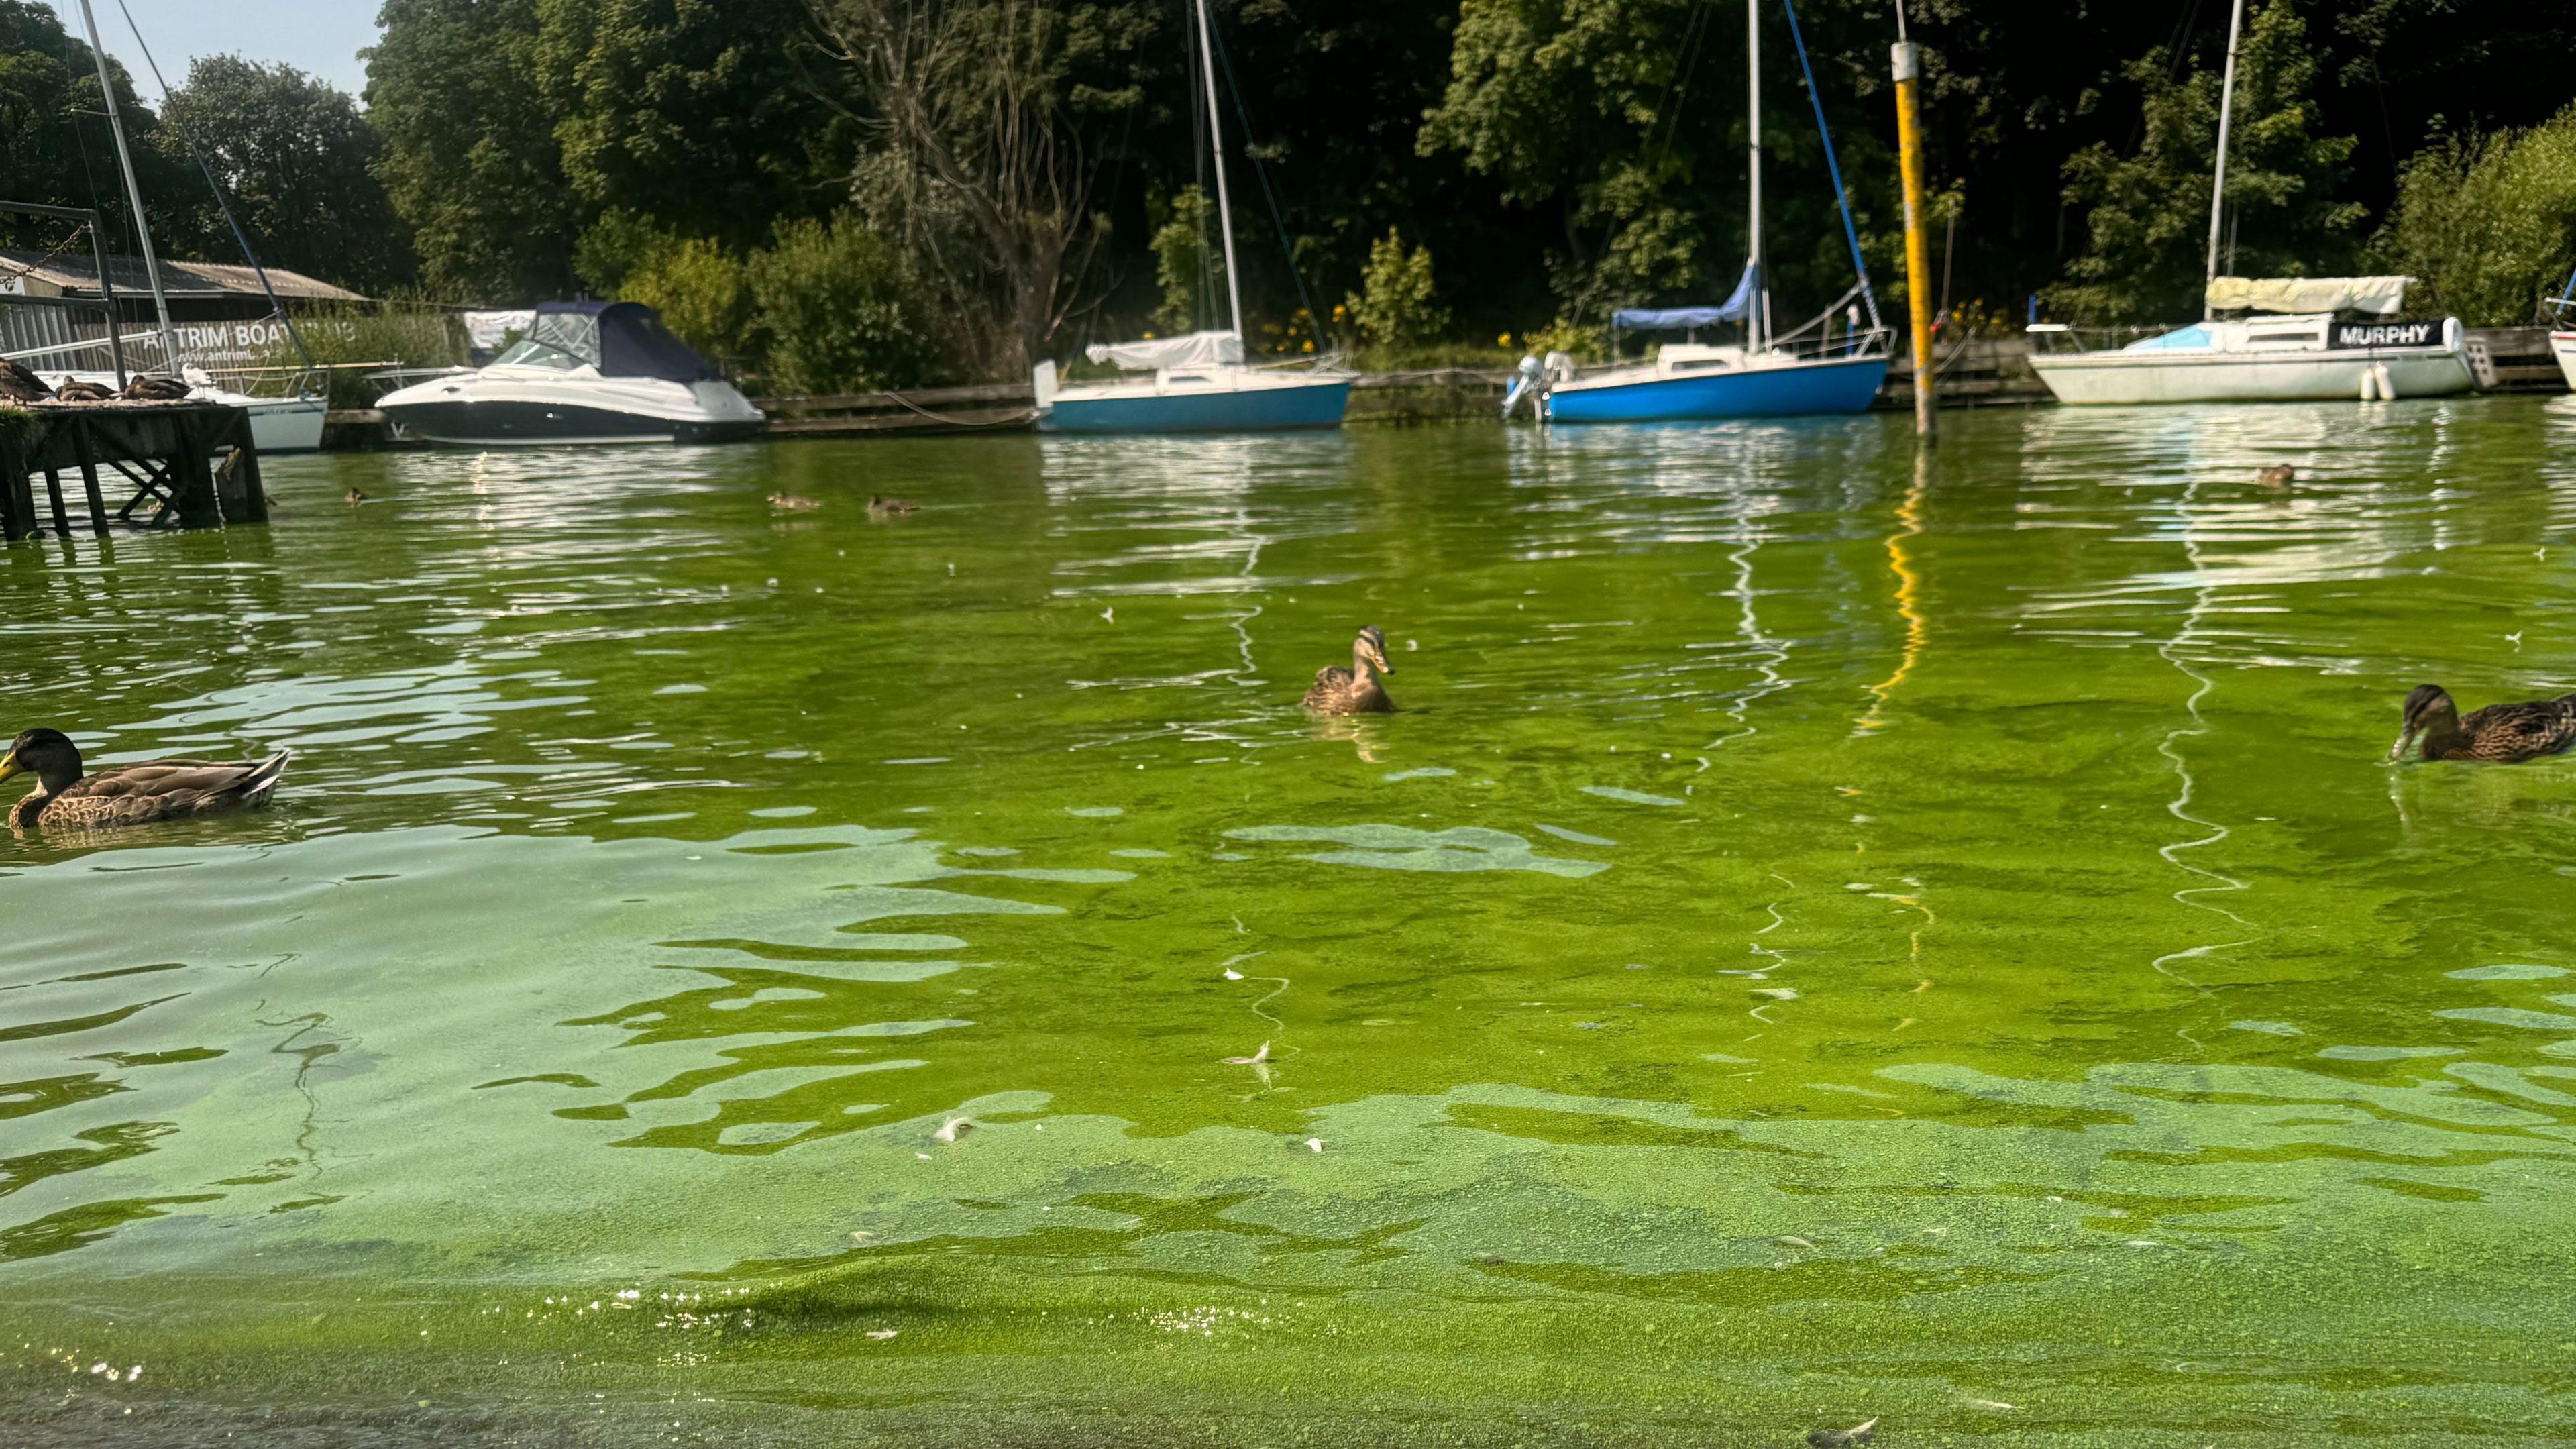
(1198, 349)
(1678, 319)
(2378, 296)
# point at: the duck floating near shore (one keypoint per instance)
(2500, 734)
(129, 794)
(1355, 690)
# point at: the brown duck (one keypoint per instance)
(18, 384)
(157, 389)
(83, 392)
(128, 794)
(2500, 734)
(1355, 690)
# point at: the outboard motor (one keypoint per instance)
(1530, 380)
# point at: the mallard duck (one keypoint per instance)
(1355, 690)
(128, 794)
(83, 392)
(880, 506)
(18, 384)
(2278, 473)
(156, 389)
(2500, 734)
(792, 503)
(355, 498)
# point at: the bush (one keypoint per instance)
(833, 306)
(1191, 272)
(702, 291)
(1398, 305)
(351, 338)
(2488, 226)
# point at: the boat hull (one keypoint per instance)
(1283, 407)
(1791, 390)
(285, 425)
(2562, 345)
(492, 412)
(2177, 376)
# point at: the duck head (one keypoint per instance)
(2429, 710)
(49, 755)
(1370, 650)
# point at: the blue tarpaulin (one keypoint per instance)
(1682, 319)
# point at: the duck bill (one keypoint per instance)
(9, 766)
(2397, 751)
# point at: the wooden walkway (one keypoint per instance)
(137, 465)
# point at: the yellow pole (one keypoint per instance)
(1918, 247)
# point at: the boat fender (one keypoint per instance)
(2387, 384)
(1042, 383)
(2369, 384)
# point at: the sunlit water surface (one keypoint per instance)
(1826, 938)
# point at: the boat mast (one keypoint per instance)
(1216, 143)
(133, 194)
(1757, 317)
(2218, 180)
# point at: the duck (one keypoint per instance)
(792, 503)
(83, 392)
(2276, 474)
(880, 506)
(355, 498)
(19, 384)
(129, 794)
(156, 389)
(1355, 690)
(2500, 734)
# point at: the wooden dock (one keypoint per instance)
(129, 464)
(2514, 359)
(994, 407)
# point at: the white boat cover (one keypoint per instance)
(1198, 349)
(2379, 296)
(488, 330)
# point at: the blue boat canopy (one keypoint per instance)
(1679, 319)
(619, 339)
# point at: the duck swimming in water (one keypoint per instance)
(2500, 734)
(1355, 690)
(128, 794)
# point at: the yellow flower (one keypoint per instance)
(1310, 347)
(1503, 341)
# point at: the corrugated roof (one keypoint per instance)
(73, 272)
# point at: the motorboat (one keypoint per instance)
(584, 372)
(1198, 382)
(2297, 339)
(1810, 370)
(1192, 384)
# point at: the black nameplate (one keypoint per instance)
(2384, 334)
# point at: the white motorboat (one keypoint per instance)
(2307, 349)
(585, 372)
(2304, 350)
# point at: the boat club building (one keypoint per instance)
(222, 316)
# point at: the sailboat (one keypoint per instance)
(2316, 338)
(289, 424)
(1196, 383)
(2562, 342)
(1809, 370)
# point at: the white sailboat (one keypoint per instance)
(289, 424)
(1197, 383)
(2305, 344)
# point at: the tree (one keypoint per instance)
(57, 145)
(1398, 304)
(2488, 224)
(471, 162)
(295, 158)
(1190, 269)
(974, 160)
(2149, 212)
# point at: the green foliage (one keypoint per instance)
(702, 291)
(1398, 304)
(470, 161)
(54, 142)
(1583, 105)
(2488, 225)
(295, 156)
(618, 243)
(1188, 264)
(355, 338)
(837, 309)
(2149, 212)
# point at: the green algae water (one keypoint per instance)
(1829, 937)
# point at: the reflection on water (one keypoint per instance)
(1956, 899)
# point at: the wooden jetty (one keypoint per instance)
(135, 464)
(2514, 359)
